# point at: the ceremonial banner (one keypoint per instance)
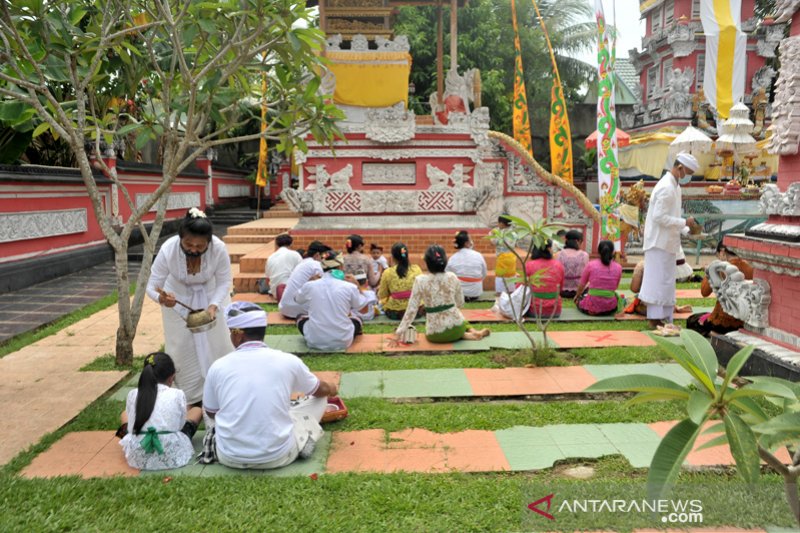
(607, 162)
(261, 173)
(560, 136)
(726, 54)
(522, 125)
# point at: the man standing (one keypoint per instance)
(662, 240)
(248, 394)
(280, 264)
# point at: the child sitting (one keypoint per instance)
(369, 311)
(161, 436)
(379, 263)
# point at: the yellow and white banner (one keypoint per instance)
(726, 53)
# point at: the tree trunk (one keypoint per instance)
(127, 326)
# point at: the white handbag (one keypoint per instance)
(409, 336)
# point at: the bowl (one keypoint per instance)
(200, 321)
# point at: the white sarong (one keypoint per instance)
(658, 284)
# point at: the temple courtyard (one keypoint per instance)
(469, 436)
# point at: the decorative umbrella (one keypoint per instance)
(691, 140)
(735, 139)
(623, 139)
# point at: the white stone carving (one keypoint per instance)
(389, 154)
(333, 42)
(785, 9)
(389, 174)
(359, 43)
(762, 79)
(327, 84)
(775, 202)
(439, 179)
(338, 181)
(677, 100)
(175, 200)
(681, 39)
(746, 300)
(390, 124)
(399, 44)
(785, 118)
(233, 191)
(22, 226)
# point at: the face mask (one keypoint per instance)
(193, 254)
(338, 274)
(685, 179)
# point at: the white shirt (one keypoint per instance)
(169, 414)
(372, 301)
(279, 266)
(249, 391)
(379, 262)
(330, 303)
(304, 271)
(663, 225)
(467, 263)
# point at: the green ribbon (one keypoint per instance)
(439, 308)
(545, 295)
(605, 293)
(338, 274)
(151, 443)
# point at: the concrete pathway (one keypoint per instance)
(42, 387)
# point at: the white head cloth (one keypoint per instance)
(688, 161)
(245, 315)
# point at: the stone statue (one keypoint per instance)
(359, 43)
(677, 99)
(700, 108)
(746, 300)
(785, 9)
(334, 42)
(770, 200)
(785, 119)
(759, 112)
(338, 181)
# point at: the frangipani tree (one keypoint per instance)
(191, 69)
(734, 414)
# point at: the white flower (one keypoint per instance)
(196, 213)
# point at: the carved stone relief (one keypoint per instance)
(785, 120)
(746, 300)
(681, 39)
(38, 224)
(175, 200)
(762, 79)
(233, 191)
(338, 181)
(399, 44)
(775, 202)
(390, 124)
(677, 100)
(785, 9)
(389, 174)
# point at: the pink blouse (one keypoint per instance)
(551, 282)
(574, 262)
(596, 275)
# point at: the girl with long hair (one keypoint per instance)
(397, 282)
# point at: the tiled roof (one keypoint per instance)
(627, 74)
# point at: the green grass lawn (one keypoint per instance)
(444, 502)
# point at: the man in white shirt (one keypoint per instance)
(280, 264)
(331, 301)
(306, 270)
(662, 240)
(469, 266)
(248, 393)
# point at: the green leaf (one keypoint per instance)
(701, 352)
(697, 407)
(748, 406)
(716, 441)
(743, 446)
(717, 427)
(735, 364)
(646, 397)
(128, 128)
(669, 457)
(785, 423)
(764, 388)
(41, 128)
(640, 383)
(681, 356)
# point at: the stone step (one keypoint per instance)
(255, 261)
(278, 213)
(251, 239)
(264, 226)
(238, 250)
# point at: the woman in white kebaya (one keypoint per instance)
(469, 266)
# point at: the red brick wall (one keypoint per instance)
(784, 311)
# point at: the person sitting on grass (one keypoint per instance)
(469, 266)
(370, 310)
(162, 431)
(574, 258)
(506, 262)
(379, 263)
(331, 302)
(248, 395)
(545, 297)
(355, 260)
(396, 283)
(305, 271)
(596, 294)
(280, 264)
(442, 295)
